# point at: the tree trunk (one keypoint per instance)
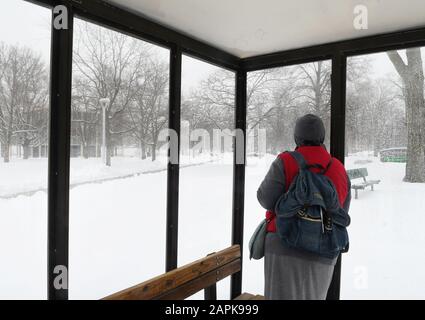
(27, 150)
(143, 150)
(153, 151)
(6, 152)
(413, 83)
(108, 155)
(415, 167)
(85, 152)
(317, 91)
(423, 127)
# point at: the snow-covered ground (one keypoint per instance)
(117, 229)
(387, 252)
(33, 173)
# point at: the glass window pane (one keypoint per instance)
(385, 96)
(24, 113)
(276, 98)
(118, 161)
(207, 126)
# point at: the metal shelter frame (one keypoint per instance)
(107, 15)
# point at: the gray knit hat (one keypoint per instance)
(309, 130)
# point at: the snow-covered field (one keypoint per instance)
(387, 252)
(117, 228)
(33, 173)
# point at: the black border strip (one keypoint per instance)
(338, 90)
(173, 168)
(239, 179)
(59, 155)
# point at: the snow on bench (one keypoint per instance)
(360, 173)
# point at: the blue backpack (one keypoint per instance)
(309, 216)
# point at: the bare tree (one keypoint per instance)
(23, 100)
(412, 76)
(259, 89)
(314, 81)
(3, 109)
(85, 115)
(148, 114)
(214, 101)
(381, 116)
(111, 63)
(358, 100)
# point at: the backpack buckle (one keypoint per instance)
(326, 221)
(302, 212)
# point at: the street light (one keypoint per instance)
(104, 102)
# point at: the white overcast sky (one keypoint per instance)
(29, 25)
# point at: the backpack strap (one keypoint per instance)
(299, 158)
(328, 166)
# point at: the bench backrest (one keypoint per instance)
(357, 173)
(185, 281)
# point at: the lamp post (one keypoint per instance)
(104, 102)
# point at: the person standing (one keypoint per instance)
(291, 273)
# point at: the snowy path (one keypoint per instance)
(21, 177)
(33, 173)
(117, 233)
